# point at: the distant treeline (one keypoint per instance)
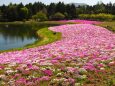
(54, 11)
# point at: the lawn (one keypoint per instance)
(109, 25)
(47, 36)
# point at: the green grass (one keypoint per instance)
(47, 36)
(109, 25)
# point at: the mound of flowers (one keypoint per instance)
(82, 21)
(83, 48)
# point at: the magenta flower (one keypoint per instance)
(48, 72)
(21, 81)
(45, 78)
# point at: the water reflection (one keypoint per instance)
(15, 36)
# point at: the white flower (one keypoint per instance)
(112, 63)
(7, 68)
(12, 64)
(3, 77)
(82, 70)
(10, 71)
(77, 84)
(102, 68)
(82, 77)
(59, 74)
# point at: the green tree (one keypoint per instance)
(4, 12)
(40, 16)
(100, 8)
(51, 9)
(60, 7)
(71, 11)
(30, 13)
(0, 15)
(58, 16)
(19, 6)
(24, 12)
(12, 12)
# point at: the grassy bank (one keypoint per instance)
(109, 25)
(47, 36)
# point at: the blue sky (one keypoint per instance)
(90, 2)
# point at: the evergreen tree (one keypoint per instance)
(51, 9)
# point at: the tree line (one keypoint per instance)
(54, 11)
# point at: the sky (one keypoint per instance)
(89, 2)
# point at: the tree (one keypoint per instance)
(30, 12)
(4, 12)
(19, 6)
(12, 12)
(60, 7)
(58, 16)
(37, 6)
(0, 15)
(68, 8)
(51, 9)
(40, 16)
(71, 11)
(100, 8)
(24, 13)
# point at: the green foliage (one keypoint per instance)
(58, 16)
(60, 7)
(0, 15)
(100, 8)
(24, 12)
(12, 13)
(40, 16)
(71, 11)
(100, 16)
(19, 12)
(47, 36)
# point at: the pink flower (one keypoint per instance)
(2, 67)
(16, 76)
(48, 72)
(70, 69)
(21, 81)
(72, 81)
(54, 61)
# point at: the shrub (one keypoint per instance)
(40, 16)
(58, 16)
(100, 16)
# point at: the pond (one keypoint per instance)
(16, 36)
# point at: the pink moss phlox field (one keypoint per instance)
(81, 21)
(86, 43)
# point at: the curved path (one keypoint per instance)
(85, 41)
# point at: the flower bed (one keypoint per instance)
(83, 48)
(82, 21)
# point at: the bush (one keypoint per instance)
(40, 16)
(100, 16)
(58, 16)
